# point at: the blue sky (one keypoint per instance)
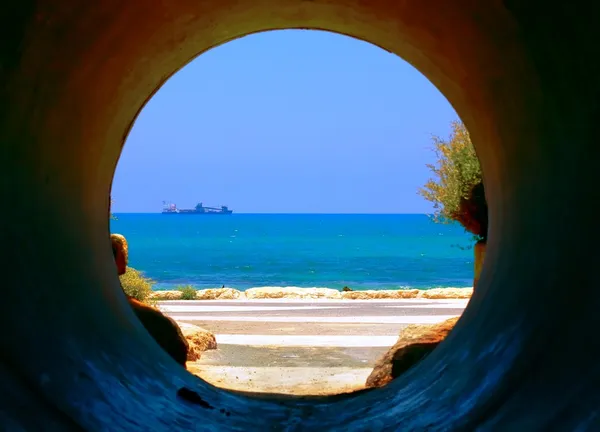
(286, 122)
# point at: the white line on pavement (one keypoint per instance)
(292, 301)
(203, 308)
(414, 319)
(434, 306)
(306, 340)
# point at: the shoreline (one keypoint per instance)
(313, 293)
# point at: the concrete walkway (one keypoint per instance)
(301, 346)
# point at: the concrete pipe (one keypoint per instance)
(523, 75)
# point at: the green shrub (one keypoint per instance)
(188, 292)
(136, 285)
(456, 190)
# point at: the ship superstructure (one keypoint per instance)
(170, 208)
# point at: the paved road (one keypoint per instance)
(307, 345)
(304, 317)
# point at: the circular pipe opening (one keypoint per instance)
(187, 135)
(75, 78)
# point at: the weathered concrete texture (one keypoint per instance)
(523, 76)
(479, 255)
(315, 293)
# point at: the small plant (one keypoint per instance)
(136, 285)
(456, 190)
(188, 292)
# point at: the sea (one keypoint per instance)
(360, 251)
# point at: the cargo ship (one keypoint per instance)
(169, 208)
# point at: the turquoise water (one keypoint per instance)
(246, 250)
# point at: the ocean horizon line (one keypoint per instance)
(293, 213)
(174, 287)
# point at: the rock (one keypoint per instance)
(346, 289)
(218, 294)
(163, 329)
(165, 295)
(315, 293)
(205, 294)
(199, 340)
(383, 294)
(446, 293)
(120, 252)
(292, 292)
(414, 344)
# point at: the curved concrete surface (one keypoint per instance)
(74, 75)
